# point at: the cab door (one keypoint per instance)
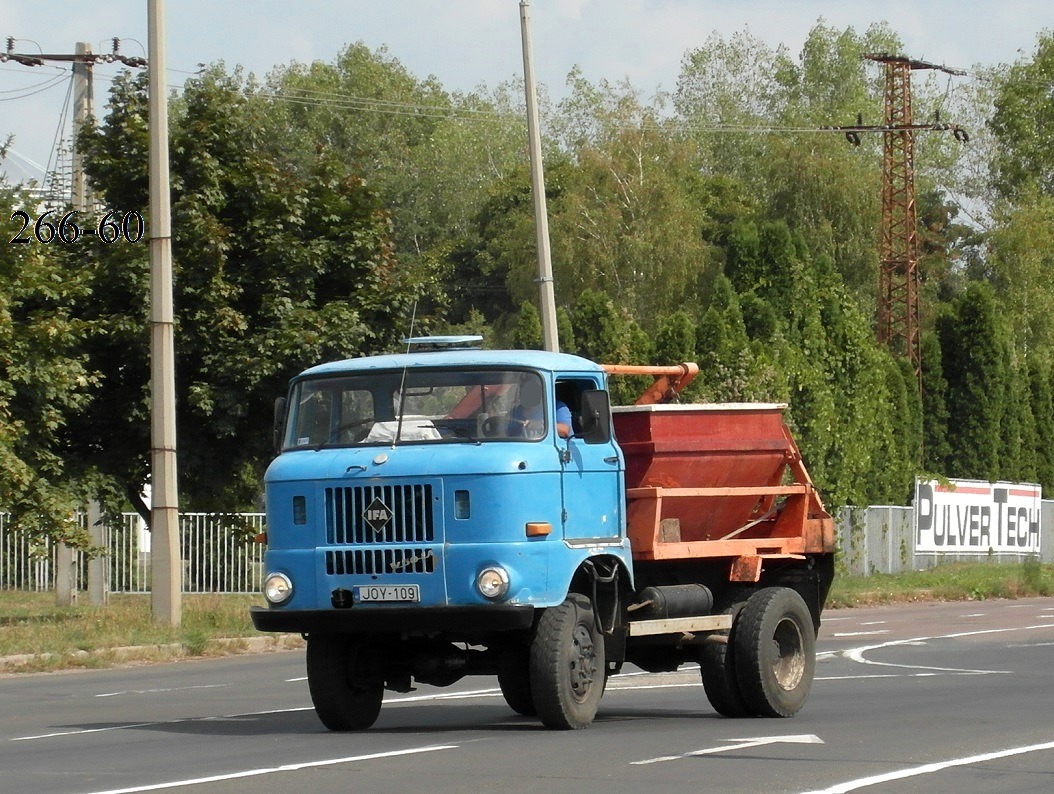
(592, 475)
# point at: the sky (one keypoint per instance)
(465, 43)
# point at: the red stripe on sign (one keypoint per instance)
(963, 489)
(1023, 492)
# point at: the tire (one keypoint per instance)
(567, 665)
(514, 678)
(346, 694)
(775, 652)
(717, 666)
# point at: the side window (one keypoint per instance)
(569, 392)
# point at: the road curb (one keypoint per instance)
(102, 657)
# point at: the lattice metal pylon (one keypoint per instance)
(898, 249)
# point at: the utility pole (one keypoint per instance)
(83, 110)
(166, 586)
(898, 248)
(82, 60)
(83, 101)
(547, 297)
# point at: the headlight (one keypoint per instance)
(493, 583)
(277, 588)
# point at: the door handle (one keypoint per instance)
(611, 459)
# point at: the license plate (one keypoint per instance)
(399, 592)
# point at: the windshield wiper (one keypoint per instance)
(457, 430)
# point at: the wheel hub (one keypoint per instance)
(789, 664)
(583, 662)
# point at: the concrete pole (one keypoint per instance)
(65, 576)
(164, 512)
(550, 340)
(98, 567)
(65, 557)
(82, 111)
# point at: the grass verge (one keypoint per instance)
(948, 582)
(48, 637)
(51, 637)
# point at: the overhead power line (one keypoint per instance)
(82, 61)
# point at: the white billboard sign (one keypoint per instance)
(975, 517)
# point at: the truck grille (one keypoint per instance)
(380, 514)
(380, 561)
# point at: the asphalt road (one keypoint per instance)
(927, 697)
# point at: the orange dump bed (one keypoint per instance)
(718, 480)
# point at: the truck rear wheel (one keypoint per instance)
(567, 665)
(775, 652)
(346, 693)
(717, 665)
(514, 678)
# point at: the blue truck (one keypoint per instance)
(453, 511)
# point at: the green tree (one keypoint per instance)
(976, 373)
(44, 377)
(936, 450)
(1039, 375)
(629, 215)
(277, 265)
(606, 335)
(431, 157)
(527, 333)
(1023, 124)
(675, 339)
(1019, 265)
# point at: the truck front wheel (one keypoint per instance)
(775, 652)
(345, 688)
(567, 665)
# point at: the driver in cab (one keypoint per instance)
(526, 420)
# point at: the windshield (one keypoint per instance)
(418, 406)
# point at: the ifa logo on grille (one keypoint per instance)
(377, 515)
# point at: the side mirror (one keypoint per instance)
(279, 422)
(596, 417)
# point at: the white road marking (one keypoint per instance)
(439, 696)
(155, 691)
(86, 730)
(902, 675)
(130, 725)
(284, 768)
(743, 744)
(857, 654)
(860, 633)
(874, 623)
(854, 654)
(926, 769)
(475, 693)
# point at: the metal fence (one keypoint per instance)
(217, 551)
(882, 540)
(219, 556)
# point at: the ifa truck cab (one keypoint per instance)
(451, 511)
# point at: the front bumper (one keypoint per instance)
(388, 620)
